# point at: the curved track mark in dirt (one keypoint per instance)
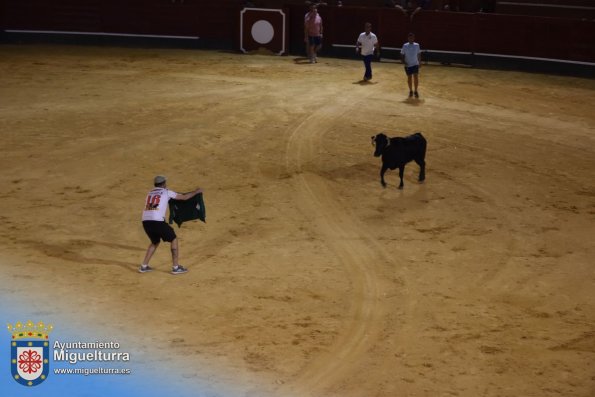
(351, 245)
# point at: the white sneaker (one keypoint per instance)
(144, 268)
(179, 270)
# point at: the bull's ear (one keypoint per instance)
(373, 137)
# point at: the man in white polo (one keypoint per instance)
(367, 45)
(411, 57)
(154, 222)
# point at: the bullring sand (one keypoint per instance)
(308, 278)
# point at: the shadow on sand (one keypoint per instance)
(365, 82)
(414, 101)
(301, 61)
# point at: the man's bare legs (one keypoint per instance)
(150, 251)
(176, 268)
(174, 253)
(413, 82)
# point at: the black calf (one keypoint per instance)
(396, 152)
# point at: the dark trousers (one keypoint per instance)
(368, 65)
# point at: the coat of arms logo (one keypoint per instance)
(29, 352)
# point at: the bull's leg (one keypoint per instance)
(422, 169)
(382, 171)
(401, 170)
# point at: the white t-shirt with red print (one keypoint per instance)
(156, 204)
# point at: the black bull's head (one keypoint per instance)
(380, 141)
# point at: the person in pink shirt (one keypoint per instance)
(313, 32)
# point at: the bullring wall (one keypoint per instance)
(215, 24)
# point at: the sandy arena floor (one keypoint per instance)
(309, 279)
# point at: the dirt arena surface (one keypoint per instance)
(309, 279)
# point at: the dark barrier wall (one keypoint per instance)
(216, 22)
(212, 21)
(512, 35)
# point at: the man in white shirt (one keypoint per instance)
(367, 45)
(155, 226)
(411, 57)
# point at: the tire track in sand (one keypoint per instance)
(355, 249)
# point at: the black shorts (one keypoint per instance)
(315, 40)
(157, 231)
(409, 70)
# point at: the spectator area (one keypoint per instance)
(578, 9)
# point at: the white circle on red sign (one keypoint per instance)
(263, 32)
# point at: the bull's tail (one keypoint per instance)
(421, 155)
(423, 144)
(419, 136)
